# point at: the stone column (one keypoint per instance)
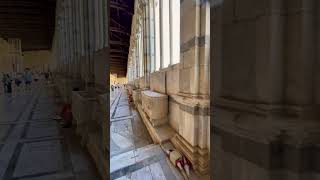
(92, 39)
(191, 104)
(265, 120)
(194, 47)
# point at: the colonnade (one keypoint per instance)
(81, 31)
(169, 54)
(81, 52)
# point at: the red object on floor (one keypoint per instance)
(66, 113)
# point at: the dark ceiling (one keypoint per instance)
(121, 12)
(32, 21)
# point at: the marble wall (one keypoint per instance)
(187, 86)
(264, 61)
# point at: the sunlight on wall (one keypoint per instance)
(115, 80)
(37, 60)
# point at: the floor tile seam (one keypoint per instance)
(134, 167)
(116, 106)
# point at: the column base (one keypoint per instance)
(198, 157)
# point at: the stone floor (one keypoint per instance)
(133, 154)
(33, 146)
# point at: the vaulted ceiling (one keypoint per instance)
(121, 12)
(32, 21)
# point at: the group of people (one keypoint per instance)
(25, 78)
(115, 86)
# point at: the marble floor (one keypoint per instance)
(33, 146)
(133, 154)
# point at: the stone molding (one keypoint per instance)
(195, 41)
(192, 106)
(274, 155)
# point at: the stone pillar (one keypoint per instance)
(265, 120)
(194, 47)
(191, 104)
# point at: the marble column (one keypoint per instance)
(265, 115)
(194, 39)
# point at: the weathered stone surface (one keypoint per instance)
(156, 106)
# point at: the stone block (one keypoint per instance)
(156, 107)
(205, 20)
(82, 109)
(189, 57)
(187, 23)
(204, 54)
(187, 127)
(194, 120)
(174, 115)
(159, 134)
(172, 79)
(158, 81)
(100, 68)
(184, 82)
(136, 83)
(204, 80)
(143, 83)
(136, 95)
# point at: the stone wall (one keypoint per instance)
(188, 117)
(186, 83)
(37, 60)
(264, 62)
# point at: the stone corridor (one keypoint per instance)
(32, 144)
(132, 152)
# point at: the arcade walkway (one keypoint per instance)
(133, 154)
(33, 146)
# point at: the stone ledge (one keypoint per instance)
(158, 134)
(192, 105)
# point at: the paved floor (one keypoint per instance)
(133, 154)
(33, 146)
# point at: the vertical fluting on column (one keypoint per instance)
(197, 51)
(317, 61)
(101, 23)
(300, 53)
(106, 23)
(71, 49)
(152, 35)
(64, 38)
(74, 39)
(91, 10)
(146, 31)
(96, 24)
(82, 38)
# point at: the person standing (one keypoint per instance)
(28, 79)
(9, 84)
(4, 82)
(18, 81)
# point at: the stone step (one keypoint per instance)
(133, 160)
(159, 134)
